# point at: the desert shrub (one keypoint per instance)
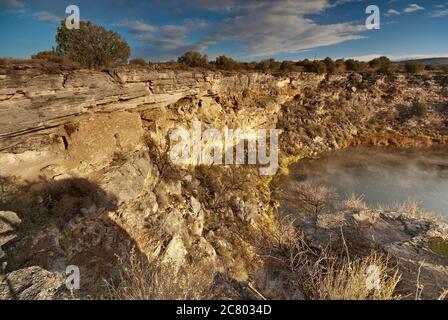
(54, 62)
(268, 65)
(51, 56)
(380, 62)
(91, 45)
(138, 62)
(330, 65)
(413, 67)
(302, 63)
(319, 67)
(287, 66)
(140, 279)
(419, 109)
(226, 63)
(340, 65)
(355, 65)
(312, 199)
(193, 59)
(316, 66)
(430, 67)
(249, 65)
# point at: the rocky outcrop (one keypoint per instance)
(33, 283)
(398, 235)
(84, 158)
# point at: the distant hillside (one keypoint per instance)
(431, 61)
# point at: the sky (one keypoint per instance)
(160, 30)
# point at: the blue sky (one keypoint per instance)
(244, 29)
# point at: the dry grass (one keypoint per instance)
(322, 274)
(410, 209)
(139, 279)
(354, 202)
(352, 280)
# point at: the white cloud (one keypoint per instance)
(46, 17)
(274, 27)
(139, 26)
(439, 13)
(166, 41)
(391, 12)
(370, 57)
(413, 8)
(259, 28)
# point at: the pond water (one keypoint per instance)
(383, 176)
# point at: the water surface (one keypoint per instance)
(384, 176)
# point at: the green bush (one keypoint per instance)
(420, 109)
(414, 67)
(50, 56)
(226, 63)
(92, 46)
(355, 65)
(380, 62)
(287, 66)
(330, 65)
(268, 65)
(316, 66)
(193, 59)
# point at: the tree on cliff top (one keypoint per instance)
(91, 45)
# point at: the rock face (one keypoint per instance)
(84, 161)
(9, 221)
(33, 283)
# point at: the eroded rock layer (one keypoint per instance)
(85, 166)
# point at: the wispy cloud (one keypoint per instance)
(11, 4)
(164, 41)
(392, 12)
(439, 13)
(46, 17)
(413, 8)
(393, 57)
(262, 28)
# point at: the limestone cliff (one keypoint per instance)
(84, 159)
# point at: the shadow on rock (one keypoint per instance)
(64, 222)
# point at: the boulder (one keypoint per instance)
(33, 283)
(175, 253)
(8, 224)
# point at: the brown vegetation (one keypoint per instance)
(140, 279)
